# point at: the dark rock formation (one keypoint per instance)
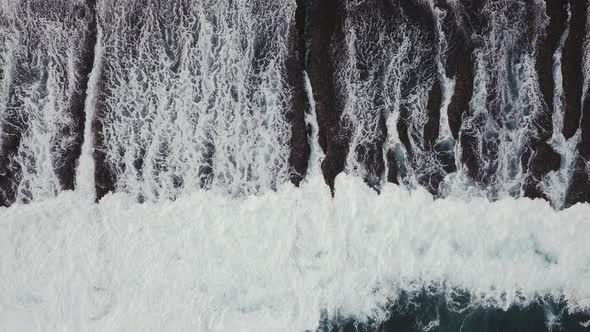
(459, 66)
(579, 190)
(321, 42)
(473, 25)
(432, 128)
(14, 122)
(13, 126)
(299, 105)
(104, 177)
(541, 158)
(556, 10)
(419, 139)
(66, 166)
(577, 108)
(324, 37)
(421, 17)
(571, 68)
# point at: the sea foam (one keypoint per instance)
(276, 261)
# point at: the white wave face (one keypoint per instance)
(272, 262)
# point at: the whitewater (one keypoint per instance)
(276, 261)
(295, 165)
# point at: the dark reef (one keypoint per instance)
(447, 37)
(324, 36)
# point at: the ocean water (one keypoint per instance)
(295, 165)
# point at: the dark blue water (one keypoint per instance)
(438, 313)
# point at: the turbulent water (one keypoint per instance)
(283, 260)
(292, 165)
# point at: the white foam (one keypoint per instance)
(272, 262)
